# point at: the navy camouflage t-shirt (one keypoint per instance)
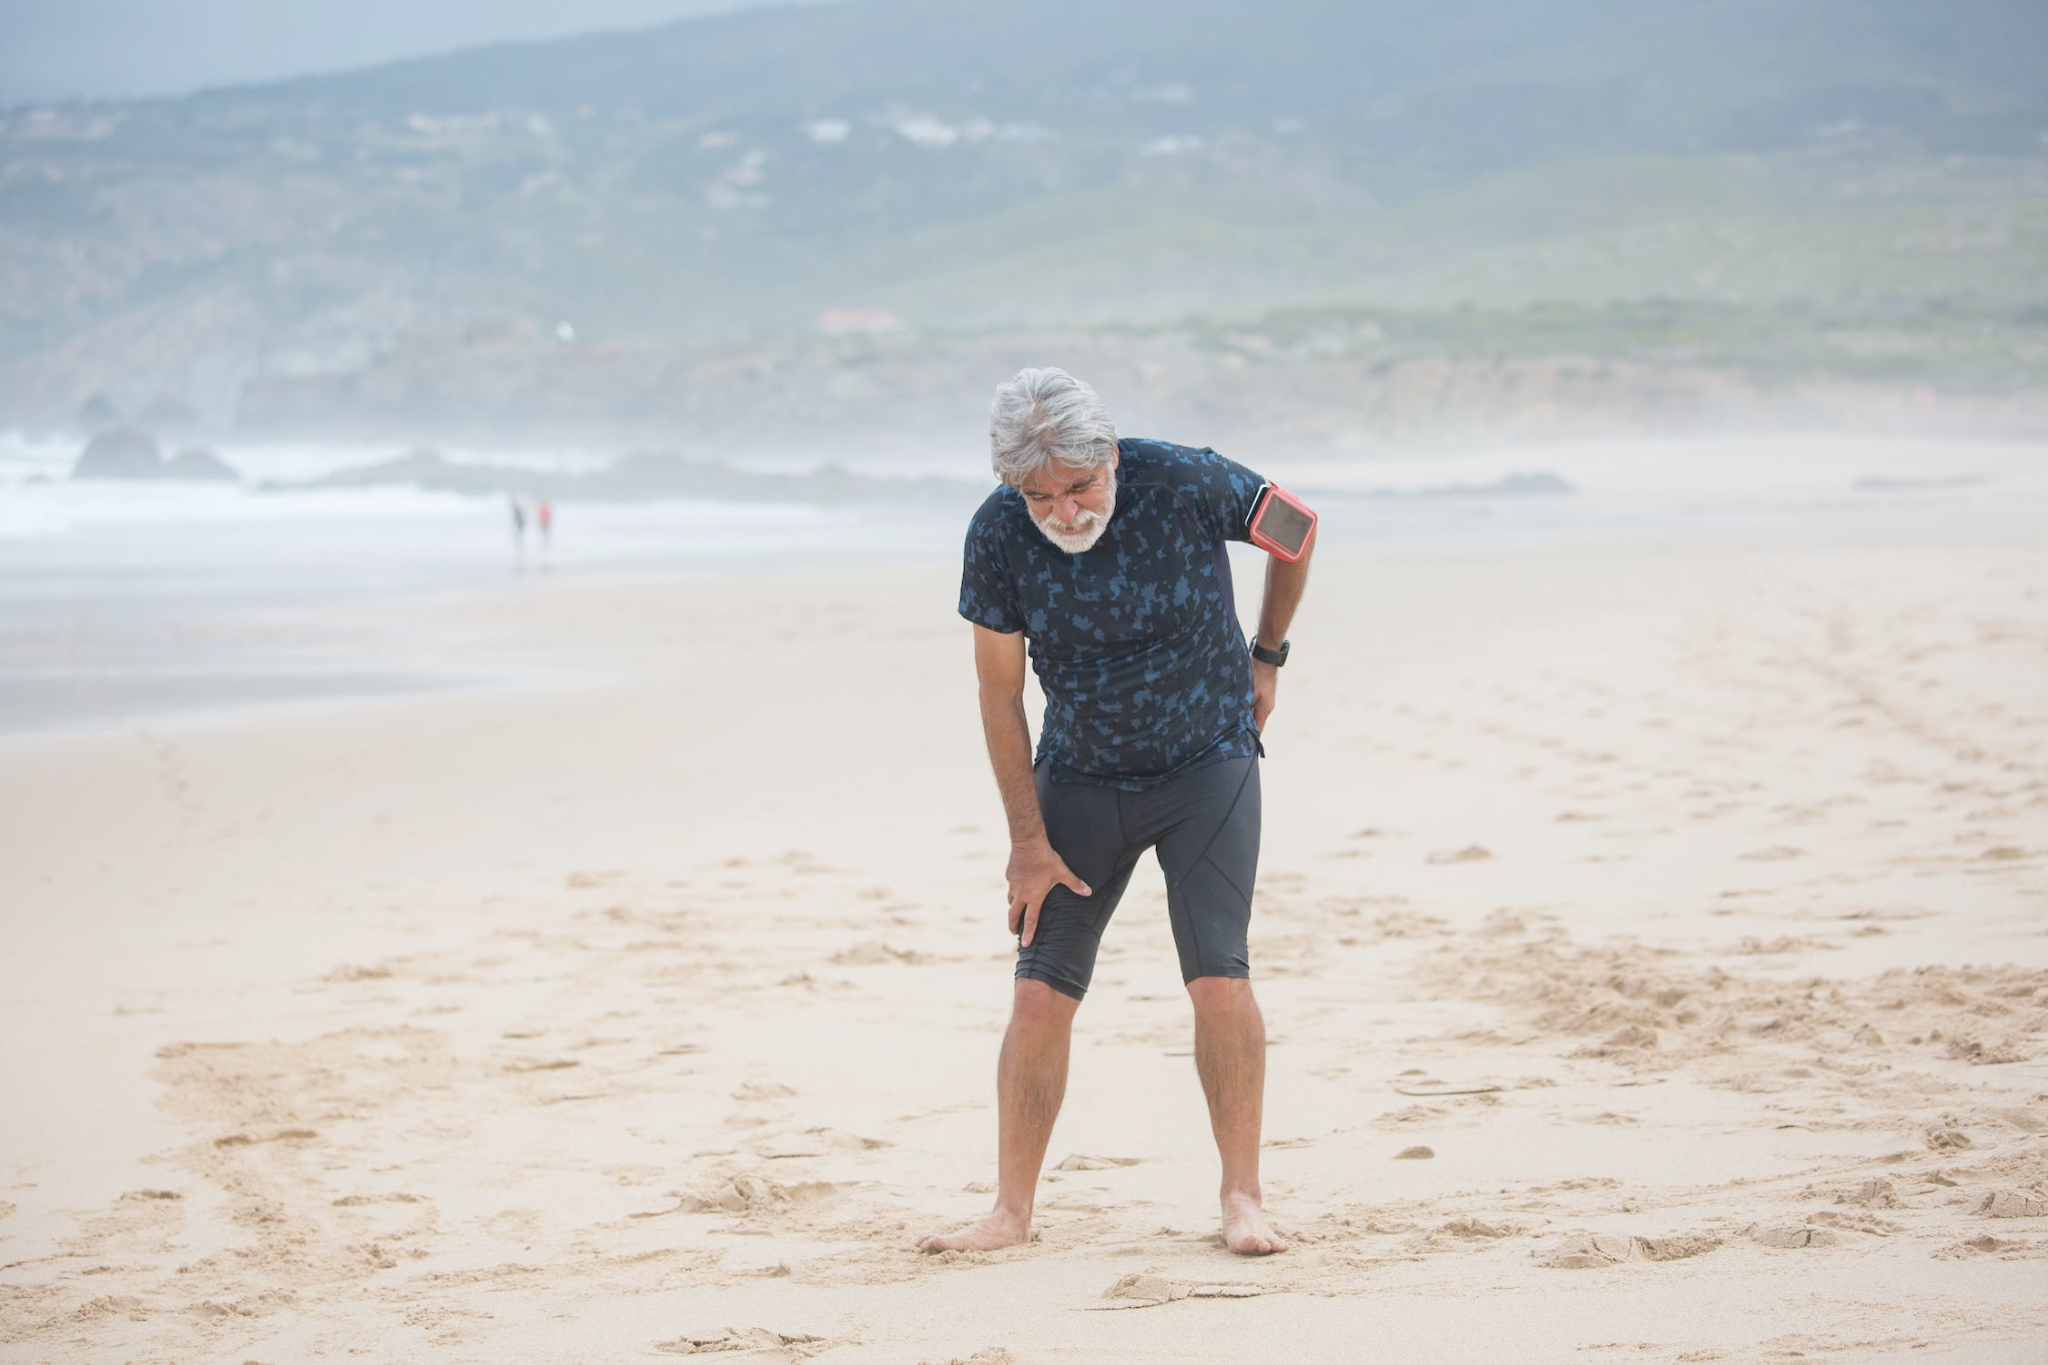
(1136, 642)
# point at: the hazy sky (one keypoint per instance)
(96, 49)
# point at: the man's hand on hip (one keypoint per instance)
(1034, 871)
(1265, 689)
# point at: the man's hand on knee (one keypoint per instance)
(1033, 872)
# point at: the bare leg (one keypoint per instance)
(1230, 1055)
(1031, 1080)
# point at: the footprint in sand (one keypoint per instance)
(756, 1091)
(1792, 1236)
(2011, 1204)
(815, 1142)
(1855, 1222)
(876, 954)
(515, 1225)
(1150, 1291)
(283, 1135)
(1079, 1162)
(1986, 1245)
(1943, 1135)
(1875, 1193)
(1598, 1250)
(1979, 1053)
(1425, 1087)
(731, 1339)
(748, 1193)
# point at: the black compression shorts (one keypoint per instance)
(1205, 826)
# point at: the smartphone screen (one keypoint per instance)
(1284, 524)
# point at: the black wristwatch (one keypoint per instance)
(1275, 657)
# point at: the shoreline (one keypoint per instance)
(169, 610)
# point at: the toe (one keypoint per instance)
(1256, 1243)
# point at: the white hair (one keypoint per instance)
(1046, 414)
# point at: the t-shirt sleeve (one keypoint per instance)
(988, 592)
(1225, 493)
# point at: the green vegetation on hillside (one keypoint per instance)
(741, 175)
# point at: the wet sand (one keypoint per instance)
(1651, 944)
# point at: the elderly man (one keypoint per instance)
(1107, 555)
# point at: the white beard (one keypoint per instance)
(1080, 536)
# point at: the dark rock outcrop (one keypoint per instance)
(131, 455)
(120, 454)
(200, 465)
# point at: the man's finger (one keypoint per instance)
(1016, 915)
(1030, 922)
(1075, 885)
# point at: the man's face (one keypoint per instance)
(1071, 504)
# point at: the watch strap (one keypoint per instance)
(1275, 657)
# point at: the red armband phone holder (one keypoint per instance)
(1281, 523)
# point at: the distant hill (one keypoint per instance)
(1484, 80)
(951, 166)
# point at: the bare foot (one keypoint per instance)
(999, 1229)
(1246, 1231)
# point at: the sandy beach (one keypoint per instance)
(1652, 942)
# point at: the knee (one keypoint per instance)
(1037, 1007)
(1222, 995)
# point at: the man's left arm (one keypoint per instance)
(1284, 585)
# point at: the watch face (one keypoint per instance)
(1283, 523)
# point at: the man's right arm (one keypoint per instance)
(1034, 868)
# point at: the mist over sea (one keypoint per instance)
(127, 601)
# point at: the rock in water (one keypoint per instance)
(123, 454)
(200, 465)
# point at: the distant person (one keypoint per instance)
(1108, 556)
(544, 518)
(518, 519)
